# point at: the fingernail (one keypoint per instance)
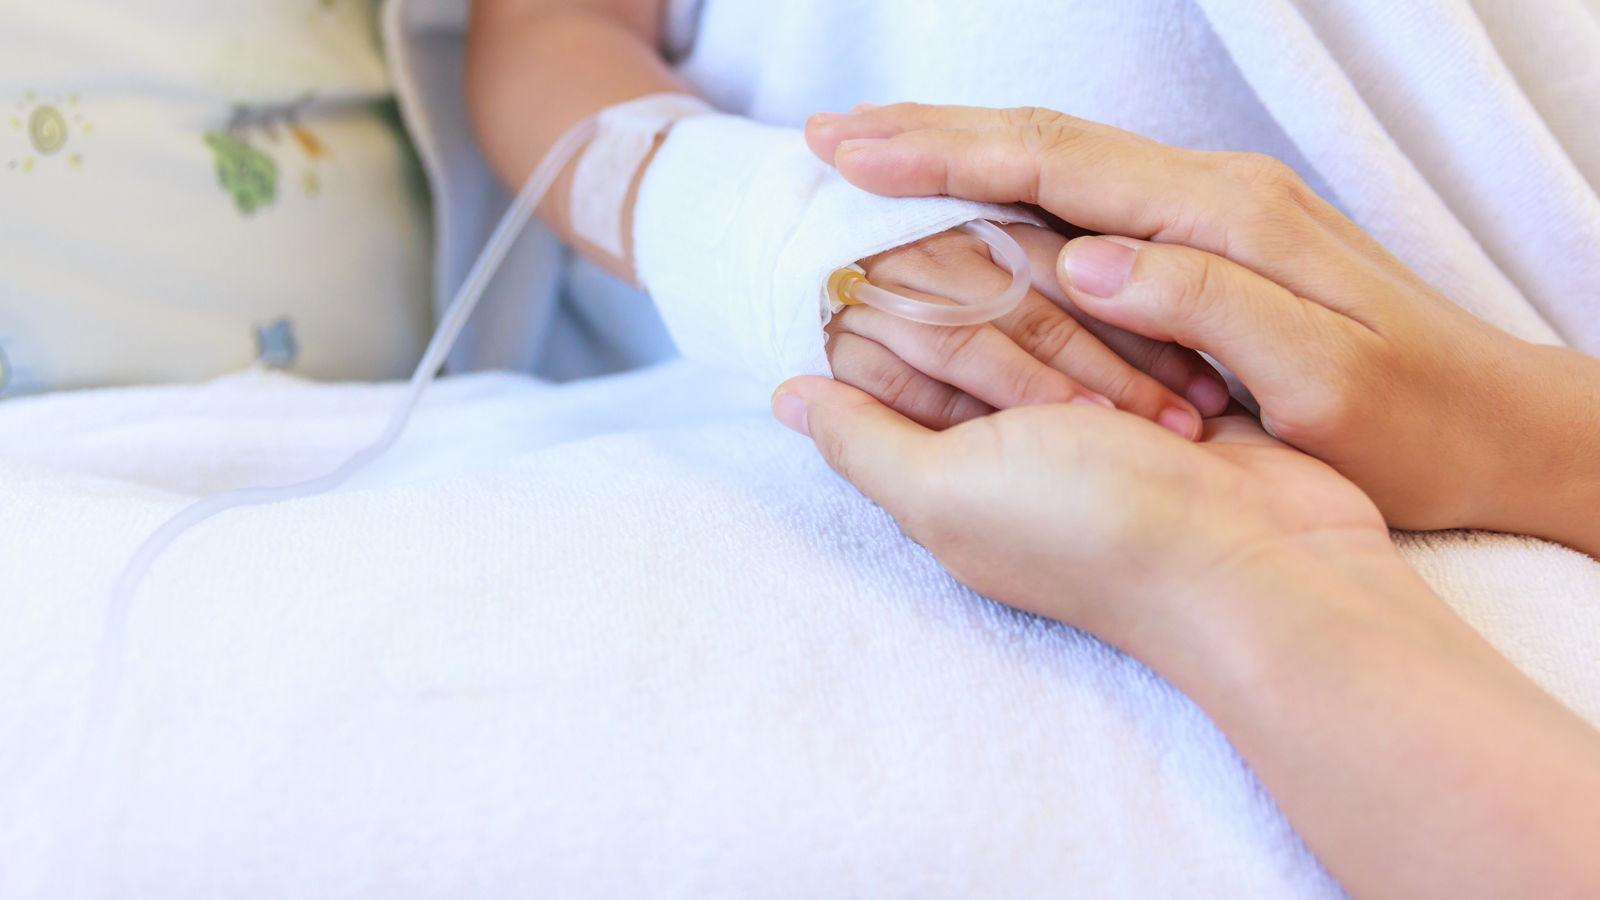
(1094, 400)
(863, 107)
(1180, 422)
(827, 118)
(791, 411)
(1208, 395)
(1096, 266)
(851, 146)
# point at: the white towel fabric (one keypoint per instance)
(629, 638)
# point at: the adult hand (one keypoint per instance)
(1411, 757)
(1092, 516)
(1442, 419)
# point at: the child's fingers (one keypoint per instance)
(867, 365)
(977, 359)
(1061, 342)
(1182, 370)
(1011, 362)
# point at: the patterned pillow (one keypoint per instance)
(188, 187)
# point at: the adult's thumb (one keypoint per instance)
(1259, 329)
(873, 447)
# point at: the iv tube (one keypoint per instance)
(849, 286)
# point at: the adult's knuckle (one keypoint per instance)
(1272, 188)
(1049, 149)
(1194, 285)
(1029, 116)
(1319, 415)
(1259, 171)
(1047, 140)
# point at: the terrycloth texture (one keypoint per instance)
(623, 639)
(737, 228)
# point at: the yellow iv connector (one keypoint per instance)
(841, 287)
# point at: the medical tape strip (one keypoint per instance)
(738, 227)
(627, 133)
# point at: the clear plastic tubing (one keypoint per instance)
(850, 286)
(89, 760)
(108, 661)
(450, 325)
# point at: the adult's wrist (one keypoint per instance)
(1253, 619)
(1547, 446)
(1410, 756)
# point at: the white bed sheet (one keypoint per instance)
(619, 638)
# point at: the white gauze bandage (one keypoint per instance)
(625, 136)
(738, 226)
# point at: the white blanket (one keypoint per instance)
(623, 638)
(629, 638)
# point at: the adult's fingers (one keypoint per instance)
(825, 131)
(873, 447)
(1279, 344)
(1246, 207)
(868, 365)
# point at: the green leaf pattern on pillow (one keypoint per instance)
(246, 173)
(281, 84)
(245, 167)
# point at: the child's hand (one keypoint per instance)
(1044, 351)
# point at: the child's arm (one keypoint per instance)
(535, 68)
